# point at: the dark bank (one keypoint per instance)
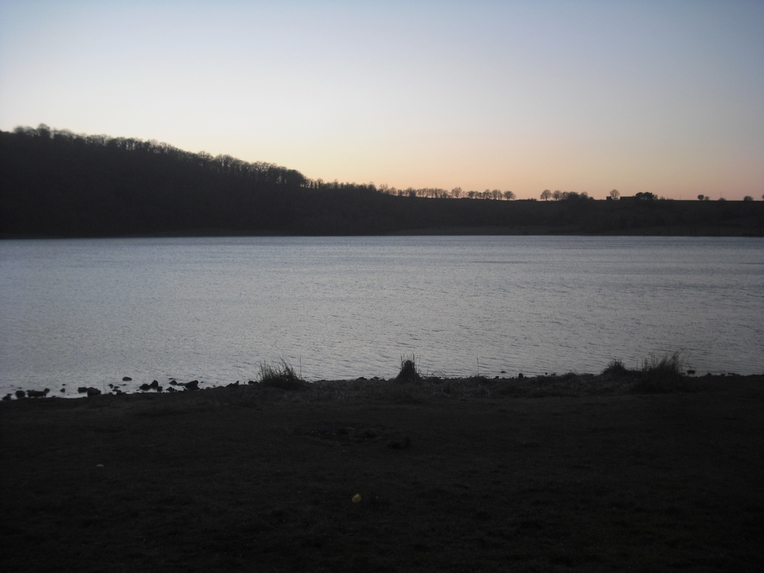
(54, 183)
(626, 470)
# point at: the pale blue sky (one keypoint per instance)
(665, 96)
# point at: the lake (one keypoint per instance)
(88, 312)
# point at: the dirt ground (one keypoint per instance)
(475, 475)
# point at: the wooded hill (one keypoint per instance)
(58, 184)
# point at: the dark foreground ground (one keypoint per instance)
(565, 474)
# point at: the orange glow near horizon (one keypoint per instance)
(663, 98)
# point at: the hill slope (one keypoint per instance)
(57, 184)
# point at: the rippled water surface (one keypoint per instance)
(88, 312)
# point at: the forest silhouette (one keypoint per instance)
(54, 183)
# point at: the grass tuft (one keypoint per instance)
(662, 374)
(616, 369)
(409, 371)
(282, 376)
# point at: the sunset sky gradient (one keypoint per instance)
(664, 97)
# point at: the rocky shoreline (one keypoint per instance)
(608, 381)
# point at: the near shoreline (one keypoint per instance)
(571, 473)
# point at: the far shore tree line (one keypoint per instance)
(496, 194)
(268, 172)
(54, 183)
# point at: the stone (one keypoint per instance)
(38, 393)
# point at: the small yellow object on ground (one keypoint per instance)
(356, 498)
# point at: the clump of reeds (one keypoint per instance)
(409, 372)
(281, 375)
(615, 369)
(662, 374)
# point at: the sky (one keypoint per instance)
(665, 97)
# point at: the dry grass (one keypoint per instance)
(662, 374)
(657, 375)
(281, 376)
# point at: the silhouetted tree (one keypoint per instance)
(615, 195)
(574, 196)
(546, 194)
(747, 198)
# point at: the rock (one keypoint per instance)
(93, 391)
(7, 396)
(63, 390)
(193, 385)
(126, 379)
(153, 386)
(82, 389)
(20, 394)
(37, 393)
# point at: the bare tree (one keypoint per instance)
(615, 195)
(509, 196)
(557, 195)
(546, 194)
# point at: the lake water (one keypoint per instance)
(88, 312)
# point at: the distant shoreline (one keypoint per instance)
(428, 232)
